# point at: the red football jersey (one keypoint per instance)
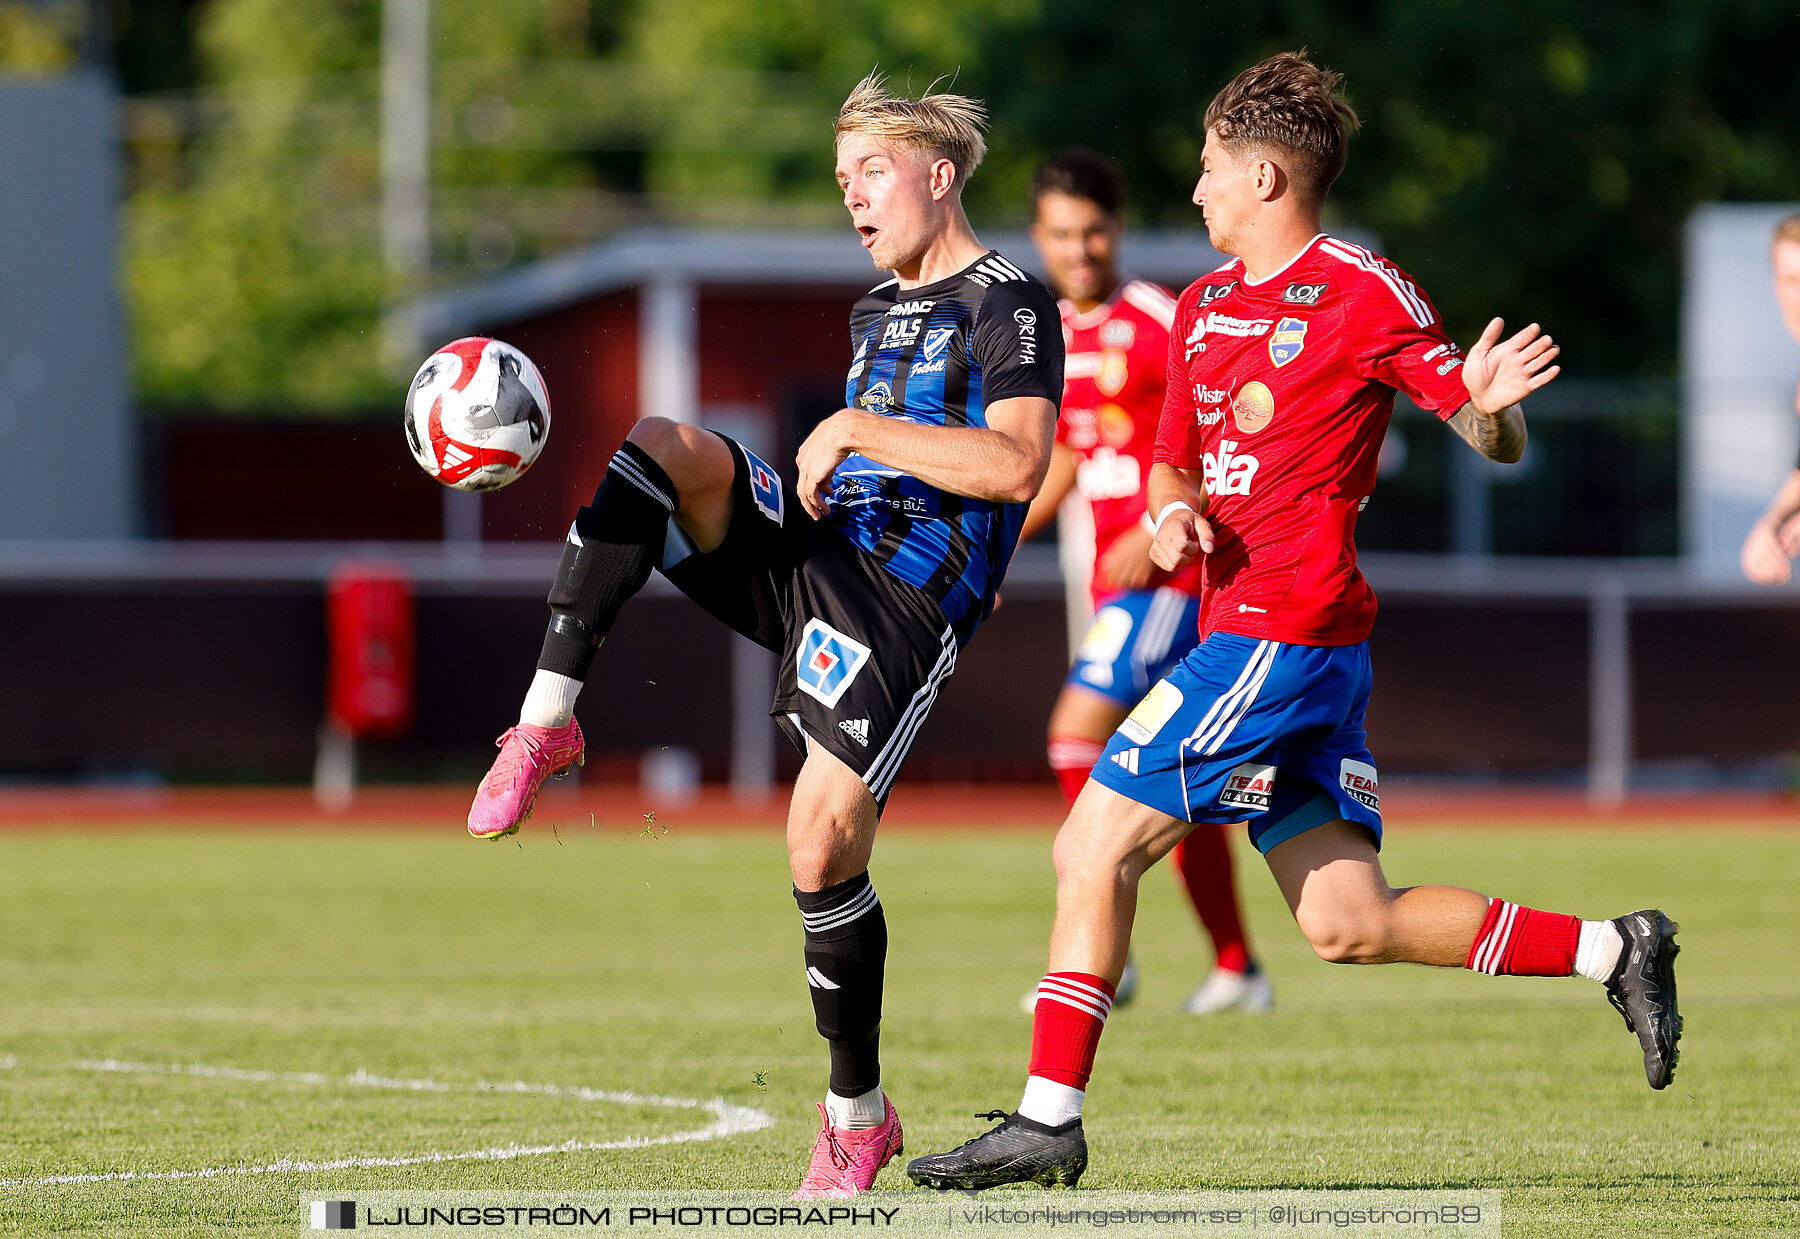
(1115, 360)
(1279, 393)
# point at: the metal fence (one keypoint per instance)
(1599, 479)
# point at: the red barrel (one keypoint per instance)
(370, 622)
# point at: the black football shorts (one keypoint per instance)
(863, 653)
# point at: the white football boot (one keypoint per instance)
(1231, 991)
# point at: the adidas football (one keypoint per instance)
(477, 414)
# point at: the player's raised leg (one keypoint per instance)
(663, 469)
(1332, 878)
(1101, 853)
(830, 833)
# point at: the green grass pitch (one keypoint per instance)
(669, 964)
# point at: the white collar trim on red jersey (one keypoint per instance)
(1282, 269)
(1100, 312)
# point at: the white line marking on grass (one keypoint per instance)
(728, 1119)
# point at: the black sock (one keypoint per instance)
(846, 952)
(612, 547)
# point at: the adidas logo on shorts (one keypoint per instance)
(857, 729)
(1128, 758)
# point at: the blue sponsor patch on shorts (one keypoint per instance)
(828, 661)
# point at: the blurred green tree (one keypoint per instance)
(38, 38)
(252, 262)
(1536, 160)
(243, 293)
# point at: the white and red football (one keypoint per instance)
(477, 414)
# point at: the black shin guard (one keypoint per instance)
(612, 547)
(846, 953)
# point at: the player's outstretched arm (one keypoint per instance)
(1127, 563)
(1058, 482)
(1775, 538)
(1003, 462)
(1177, 506)
(1498, 375)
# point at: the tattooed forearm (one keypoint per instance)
(1500, 437)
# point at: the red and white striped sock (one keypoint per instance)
(1071, 760)
(1065, 1031)
(1522, 942)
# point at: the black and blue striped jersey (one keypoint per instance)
(939, 355)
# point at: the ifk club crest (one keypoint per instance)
(1286, 341)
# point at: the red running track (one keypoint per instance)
(940, 806)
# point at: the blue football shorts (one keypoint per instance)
(1253, 731)
(1135, 640)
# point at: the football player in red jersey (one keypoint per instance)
(1116, 345)
(1283, 366)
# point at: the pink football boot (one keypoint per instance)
(528, 756)
(844, 1162)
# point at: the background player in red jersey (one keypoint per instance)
(1283, 368)
(1116, 346)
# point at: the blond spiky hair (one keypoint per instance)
(942, 125)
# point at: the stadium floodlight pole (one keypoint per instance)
(406, 202)
(406, 138)
(1471, 521)
(1609, 691)
(669, 350)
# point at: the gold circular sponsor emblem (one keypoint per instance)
(1113, 373)
(877, 398)
(1254, 407)
(1115, 425)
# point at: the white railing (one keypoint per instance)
(1611, 590)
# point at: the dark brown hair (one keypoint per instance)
(1080, 173)
(1291, 107)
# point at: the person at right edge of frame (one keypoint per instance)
(1775, 538)
(1283, 367)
